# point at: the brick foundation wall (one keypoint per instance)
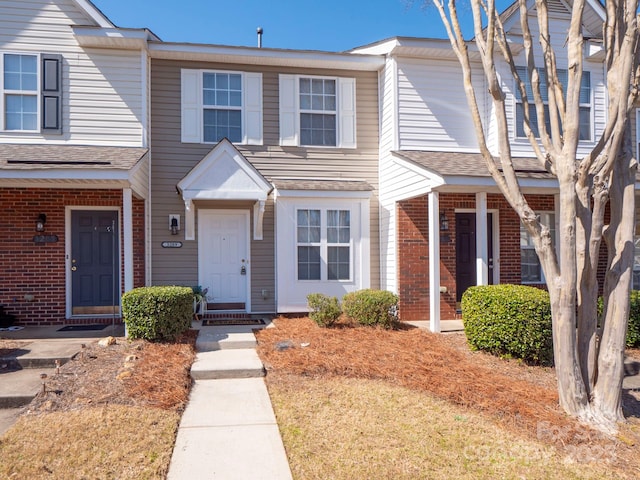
(38, 270)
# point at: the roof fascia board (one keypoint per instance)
(136, 39)
(66, 174)
(323, 193)
(267, 56)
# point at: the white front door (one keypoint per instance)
(223, 260)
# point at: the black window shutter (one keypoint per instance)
(51, 93)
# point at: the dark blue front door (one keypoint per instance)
(94, 262)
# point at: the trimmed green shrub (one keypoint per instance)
(324, 310)
(633, 328)
(157, 313)
(371, 307)
(509, 320)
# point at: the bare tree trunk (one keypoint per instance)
(607, 394)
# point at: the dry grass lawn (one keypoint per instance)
(111, 413)
(369, 403)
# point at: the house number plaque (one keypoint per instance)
(45, 238)
(171, 244)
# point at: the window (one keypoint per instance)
(217, 105)
(317, 111)
(222, 102)
(324, 244)
(530, 268)
(585, 102)
(31, 89)
(21, 92)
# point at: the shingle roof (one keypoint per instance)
(469, 164)
(322, 184)
(38, 157)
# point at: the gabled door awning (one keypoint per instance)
(224, 174)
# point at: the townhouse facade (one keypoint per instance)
(73, 161)
(260, 175)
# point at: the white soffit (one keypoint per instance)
(224, 174)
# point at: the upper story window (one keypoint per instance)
(585, 132)
(530, 267)
(217, 105)
(21, 92)
(317, 111)
(222, 106)
(31, 90)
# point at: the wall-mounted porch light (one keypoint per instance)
(174, 224)
(444, 222)
(42, 219)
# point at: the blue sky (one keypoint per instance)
(333, 25)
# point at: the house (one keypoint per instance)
(258, 179)
(437, 198)
(261, 175)
(73, 161)
(265, 162)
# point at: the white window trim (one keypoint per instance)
(289, 86)
(37, 93)
(192, 106)
(591, 106)
(324, 244)
(291, 294)
(543, 280)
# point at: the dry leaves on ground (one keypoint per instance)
(134, 373)
(520, 397)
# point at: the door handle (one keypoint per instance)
(74, 268)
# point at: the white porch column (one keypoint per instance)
(189, 220)
(434, 262)
(127, 237)
(482, 249)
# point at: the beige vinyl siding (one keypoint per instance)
(102, 98)
(172, 160)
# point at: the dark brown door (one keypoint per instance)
(465, 252)
(490, 246)
(94, 262)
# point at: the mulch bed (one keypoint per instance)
(134, 373)
(520, 397)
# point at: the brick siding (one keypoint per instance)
(35, 269)
(413, 249)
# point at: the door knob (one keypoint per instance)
(74, 268)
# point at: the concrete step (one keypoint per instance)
(225, 338)
(232, 363)
(42, 354)
(19, 387)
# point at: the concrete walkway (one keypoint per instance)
(41, 347)
(228, 429)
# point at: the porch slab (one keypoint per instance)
(446, 326)
(228, 402)
(230, 363)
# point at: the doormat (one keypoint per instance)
(81, 328)
(213, 322)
